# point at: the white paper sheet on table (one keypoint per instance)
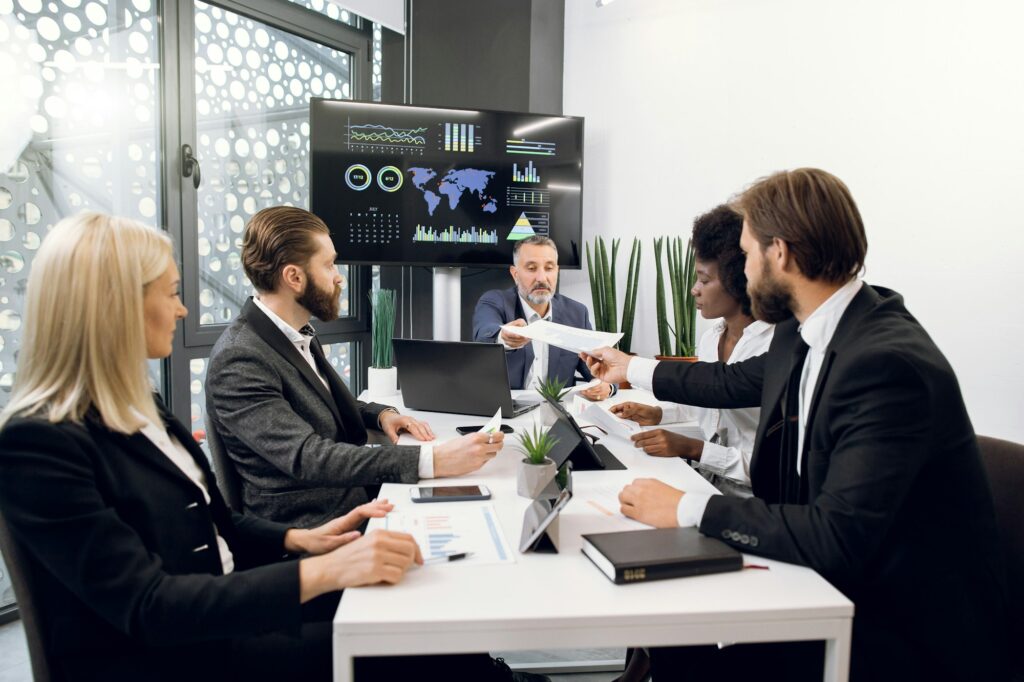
(609, 423)
(603, 501)
(569, 338)
(445, 528)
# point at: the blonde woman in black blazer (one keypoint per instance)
(142, 571)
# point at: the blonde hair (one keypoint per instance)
(84, 341)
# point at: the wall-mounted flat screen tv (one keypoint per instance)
(405, 185)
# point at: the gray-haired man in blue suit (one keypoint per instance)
(535, 273)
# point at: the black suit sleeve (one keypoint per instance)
(711, 384)
(879, 416)
(488, 316)
(53, 505)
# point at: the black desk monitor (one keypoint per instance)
(584, 456)
(457, 377)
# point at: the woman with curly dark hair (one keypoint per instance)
(723, 457)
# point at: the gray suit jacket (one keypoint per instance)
(298, 447)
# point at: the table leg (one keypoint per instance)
(343, 667)
(837, 659)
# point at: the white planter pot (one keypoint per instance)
(381, 383)
(531, 479)
(547, 415)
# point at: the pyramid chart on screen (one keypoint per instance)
(522, 229)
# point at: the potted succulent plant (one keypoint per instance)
(550, 389)
(535, 469)
(382, 377)
(677, 343)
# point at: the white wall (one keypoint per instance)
(918, 105)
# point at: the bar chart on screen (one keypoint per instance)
(453, 527)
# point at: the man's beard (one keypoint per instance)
(771, 300)
(323, 304)
(537, 296)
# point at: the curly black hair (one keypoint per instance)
(716, 239)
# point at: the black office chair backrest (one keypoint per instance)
(228, 480)
(16, 560)
(1004, 464)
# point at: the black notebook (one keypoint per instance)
(659, 553)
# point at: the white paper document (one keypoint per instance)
(447, 528)
(609, 423)
(603, 501)
(688, 429)
(494, 425)
(583, 387)
(569, 338)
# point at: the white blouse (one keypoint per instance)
(181, 458)
(729, 434)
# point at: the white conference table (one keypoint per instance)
(562, 601)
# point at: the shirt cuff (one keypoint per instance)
(716, 458)
(691, 508)
(640, 372)
(426, 461)
(672, 413)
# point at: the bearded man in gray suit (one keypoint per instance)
(295, 433)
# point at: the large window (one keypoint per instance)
(89, 72)
(112, 89)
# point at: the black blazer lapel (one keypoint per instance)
(347, 409)
(139, 446)
(764, 464)
(276, 339)
(862, 302)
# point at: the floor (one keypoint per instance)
(15, 667)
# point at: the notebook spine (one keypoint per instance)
(639, 574)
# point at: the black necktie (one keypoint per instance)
(788, 475)
(307, 330)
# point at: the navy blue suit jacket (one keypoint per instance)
(501, 306)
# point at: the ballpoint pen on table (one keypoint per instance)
(444, 558)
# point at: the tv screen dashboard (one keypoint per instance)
(408, 185)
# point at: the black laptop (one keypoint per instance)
(458, 377)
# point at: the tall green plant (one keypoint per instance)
(602, 273)
(682, 275)
(382, 330)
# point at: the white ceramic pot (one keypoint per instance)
(548, 415)
(381, 383)
(531, 479)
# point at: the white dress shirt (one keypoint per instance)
(817, 332)
(729, 434)
(181, 458)
(302, 344)
(538, 371)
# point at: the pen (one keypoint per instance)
(440, 559)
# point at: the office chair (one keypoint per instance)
(1004, 464)
(32, 620)
(228, 480)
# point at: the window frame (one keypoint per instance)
(180, 206)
